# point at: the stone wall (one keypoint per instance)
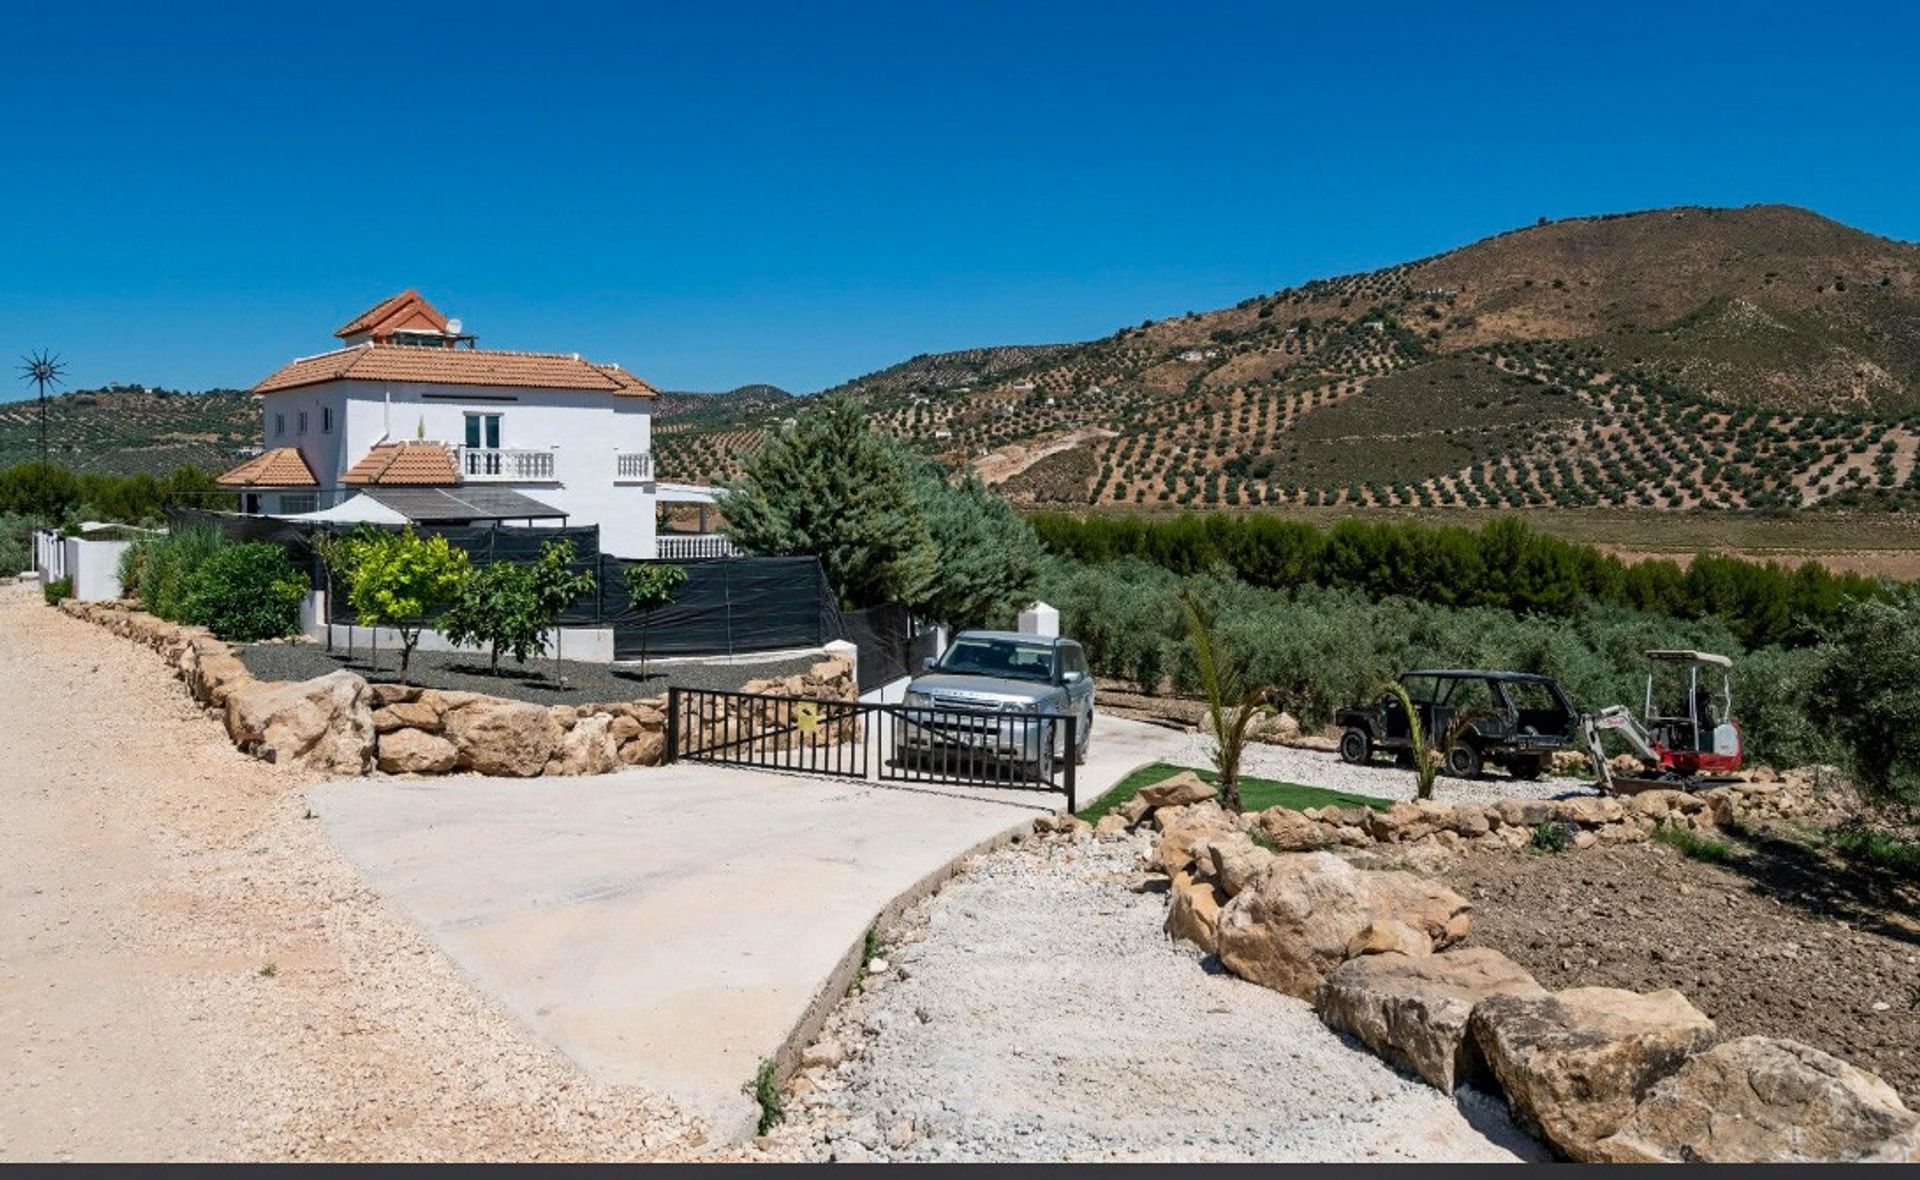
(340, 724)
(1602, 1074)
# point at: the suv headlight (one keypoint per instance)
(919, 699)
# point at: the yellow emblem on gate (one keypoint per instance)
(806, 715)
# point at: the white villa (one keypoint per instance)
(410, 420)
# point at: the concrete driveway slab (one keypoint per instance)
(673, 927)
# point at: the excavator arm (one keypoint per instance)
(1616, 719)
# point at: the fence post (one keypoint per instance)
(1073, 726)
(673, 724)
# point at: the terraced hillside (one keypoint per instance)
(1684, 358)
(126, 430)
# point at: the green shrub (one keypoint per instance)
(1551, 837)
(55, 591)
(245, 593)
(171, 564)
(133, 567)
(16, 542)
(1867, 688)
(1692, 844)
(1877, 847)
(764, 1089)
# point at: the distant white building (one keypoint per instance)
(409, 402)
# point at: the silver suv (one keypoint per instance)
(1013, 673)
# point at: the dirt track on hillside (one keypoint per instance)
(189, 972)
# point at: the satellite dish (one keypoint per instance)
(453, 327)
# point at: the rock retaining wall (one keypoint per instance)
(340, 724)
(1603, 1074)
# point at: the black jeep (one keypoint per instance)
(1513, 720)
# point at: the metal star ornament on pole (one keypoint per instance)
(43, 369)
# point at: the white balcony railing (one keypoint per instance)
(479, 464)
(691, 547)
(633, 465)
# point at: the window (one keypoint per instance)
(279, 426)
(1072, 659)
(483, 431)
(999, 657)
(303, 422)
(298, 501)
(326, 419)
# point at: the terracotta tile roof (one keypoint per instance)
(394, 310)
(282, 467)
(413, 464)
(457, 366)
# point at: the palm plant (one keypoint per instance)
(1426, 767)
(1232, 706)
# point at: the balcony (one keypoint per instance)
(481, 465)
(693, 546)
(633, 465)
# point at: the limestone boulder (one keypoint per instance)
(1291, 831)
(500, 737)
(1574, 1064)
(1589, 811)
(1759, 1100)
(646, 748)
(1181, 790)
(212, 673)
(585, 748)
(325, 723)
(1194, 911)
(1111, 826)
(1524, 813)
(415, 751)
(1291, 926)
(1232, 862)
(1385, 936)
(1201, 821)
(1412, 1010)
(407, 715)
(1133, 810)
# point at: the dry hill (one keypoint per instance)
(1752, 357)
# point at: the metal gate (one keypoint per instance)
(874, 742)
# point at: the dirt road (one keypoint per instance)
(189, 972)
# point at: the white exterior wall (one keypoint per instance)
(94, 567)
(324, 450)
(584, 428)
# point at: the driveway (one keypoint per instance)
(673, 927)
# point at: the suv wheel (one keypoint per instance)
(1463, 761)
(1528, 768)
(1356, 745)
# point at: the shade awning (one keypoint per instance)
(688, 493)
(352, 510)
(461, 505)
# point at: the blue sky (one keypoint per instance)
(718, 193)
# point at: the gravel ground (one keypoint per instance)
(188, 971)
(1034, 1010)
(534, 681)
(1314, 768)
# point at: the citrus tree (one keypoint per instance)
(557, 586)
(400, 580)
(500, 610)
(650, 587)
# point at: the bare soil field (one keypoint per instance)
(1779, 940)
(188, 971)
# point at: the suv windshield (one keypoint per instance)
(999, 657)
